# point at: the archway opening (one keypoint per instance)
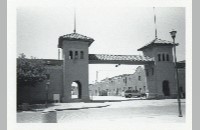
(76, 90)
(166, 89)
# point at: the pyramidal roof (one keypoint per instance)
(157, 42)
(74, 37)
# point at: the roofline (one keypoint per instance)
(61, 39)
(156, 44)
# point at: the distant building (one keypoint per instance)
(115, 86)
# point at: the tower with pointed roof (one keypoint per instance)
(75, 65)
(160, 75)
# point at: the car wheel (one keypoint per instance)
(129, 96)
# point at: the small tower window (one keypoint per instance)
(70, 54)
(163, 57)
(159, 57)
(167, 57)
(76, 54)
(139, 78)
(82, 55)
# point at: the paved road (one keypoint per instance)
(161, 111)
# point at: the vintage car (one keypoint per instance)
(132, 93)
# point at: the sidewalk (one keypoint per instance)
(76, 106)
(96, 102)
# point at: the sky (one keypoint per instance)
(116, 28)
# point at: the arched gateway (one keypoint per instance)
(157, 58)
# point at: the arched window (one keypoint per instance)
(70, 54)
(167, 57)
(139, 78)
(159, 57)
(163, 57)
(82, 55)
(76, 54)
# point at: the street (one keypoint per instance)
(161, 111)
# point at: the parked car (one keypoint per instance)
(132, 93)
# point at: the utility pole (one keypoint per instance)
(173, 35)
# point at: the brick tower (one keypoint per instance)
(160, 75)
(75, 65)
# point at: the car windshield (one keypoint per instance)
(128, 91)
(131, 91)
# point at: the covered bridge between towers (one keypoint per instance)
(157, 58)
(120, 59)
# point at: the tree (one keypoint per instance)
(29, 71)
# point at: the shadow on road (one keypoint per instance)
(103, 101)
(81, 108)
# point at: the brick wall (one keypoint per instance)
(37, 93)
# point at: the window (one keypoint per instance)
(159, 57)
(163, 57)
(76, 54)
(125, 80)
(129, 88)
(152, 71)
(139, 78)
(82, 55)
(167, 57)
(70, 54)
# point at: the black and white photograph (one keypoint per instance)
(103, 65)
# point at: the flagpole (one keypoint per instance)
(156, 35)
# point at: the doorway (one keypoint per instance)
(76, 90)
(166, 89)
